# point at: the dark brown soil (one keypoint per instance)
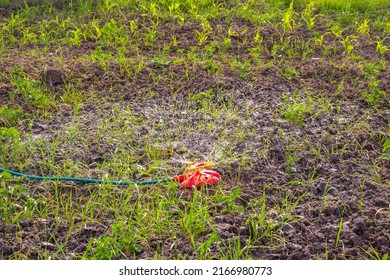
(350, 179)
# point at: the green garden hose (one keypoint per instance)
(85, 180)
(195, 175)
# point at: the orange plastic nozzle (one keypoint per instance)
(199, 165)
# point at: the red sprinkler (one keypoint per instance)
(197, 175)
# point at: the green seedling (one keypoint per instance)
(308, 15)
(386, 149)
(372, 69)
(348, 44)
(362, 184)
(295, 111)
(101, 57)
(364, 27)
(381, 48)
(374, 255)
(338, 236)
(10, 117)
(228, 201)
(14, 203)
(288, 22)
(241, 67)
(375, 96)
(30, 89)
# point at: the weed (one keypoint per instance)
(228, 202)
(375, 96)
(15, 202)
(10, 117)
(308, 15)
(338, 236)
(295, 111)
(259, 227)
(31, 90)
(386, 149)
(9, 136)
(290, 73)
(204, 249)
(348, 44)
(241, 67)
(381, 47)
(201, 37)
(372, 69)
(362, 184)
(288, 22)
(364, 28)
(373, 255)
(196, 219)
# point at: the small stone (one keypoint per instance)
(24, 224)
(223, 230)
(53, 77)
(287, 228)
(49, 246)
(355, 239)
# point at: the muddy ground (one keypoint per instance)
(350, 178)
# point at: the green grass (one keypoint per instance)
(151, 85)
(359, 5)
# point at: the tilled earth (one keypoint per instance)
(333, 162)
